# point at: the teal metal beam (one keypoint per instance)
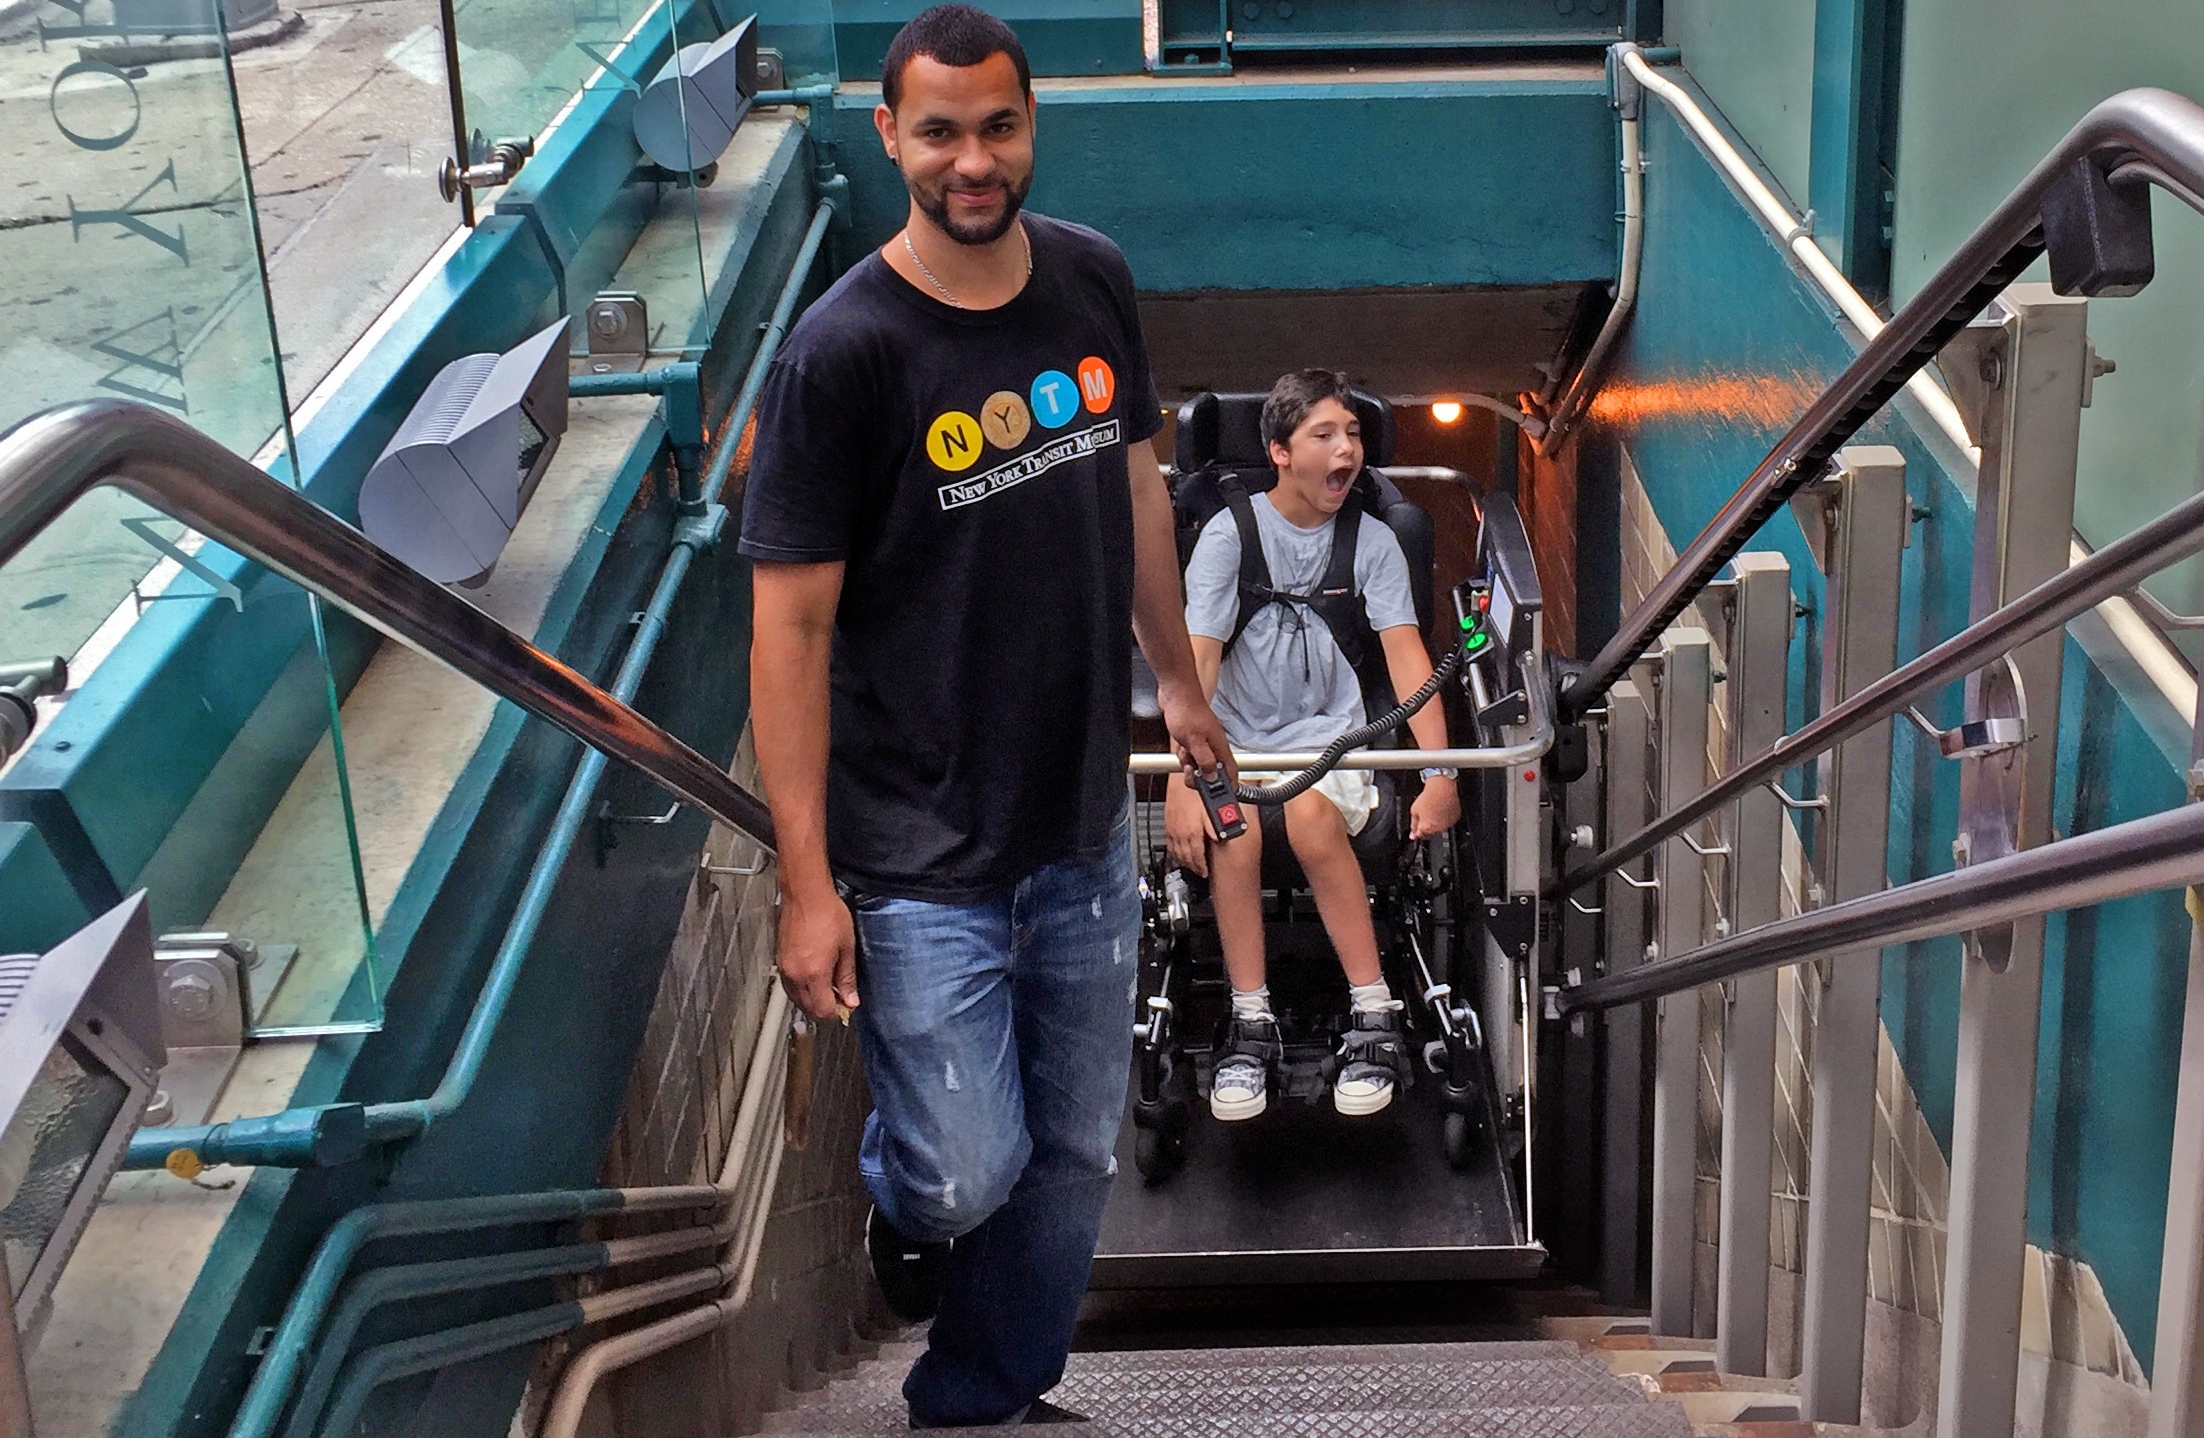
(1206, 184)
(1851, 135)
(1061, 37)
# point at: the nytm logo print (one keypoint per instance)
(956, 440)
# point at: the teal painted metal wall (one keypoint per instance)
(1987, 89)
(1262, 186)
(1061, 37)
(1755, 59)
(1728, 346)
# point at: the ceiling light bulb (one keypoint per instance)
(1446, 411)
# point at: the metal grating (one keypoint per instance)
(1642, 1420)
(1205, 1383)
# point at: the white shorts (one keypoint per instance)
(1353, 792)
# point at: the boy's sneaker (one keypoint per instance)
(910, 1273)
(1370, 1062)
(1236, 1088)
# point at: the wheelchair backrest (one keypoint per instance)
(1222, 433)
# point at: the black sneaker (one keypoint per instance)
(1370, 1062)
(1043, 1411)
(1237, 1084)
(910, 1273)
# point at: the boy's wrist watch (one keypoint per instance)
(1439, 772)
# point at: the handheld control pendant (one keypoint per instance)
(1223, 804)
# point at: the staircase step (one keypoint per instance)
(1624, 1420)
(882, 1379)
(1212, 1381)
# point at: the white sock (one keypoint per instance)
(1368, 998)
(1252, 1003)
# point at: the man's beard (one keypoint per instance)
(935, 207)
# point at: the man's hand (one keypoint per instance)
(818, 954)
(1196, 736)
(1186, 831)
(1437, 809)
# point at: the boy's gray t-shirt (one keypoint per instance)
(1286, 685)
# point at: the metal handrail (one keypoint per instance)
(2158, 128)
(51, 460)
(2163, 851)
(2114, 569)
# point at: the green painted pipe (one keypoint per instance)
(769, 344)
(317, 1288)
(430, 1351)
(296, 1138)
(393, 1122)
(645, 381)
(801, 95)
(373, 1289)
(378, 1365)
(682, 386)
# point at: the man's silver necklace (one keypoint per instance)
(942, 289)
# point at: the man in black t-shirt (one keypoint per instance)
(956, 518)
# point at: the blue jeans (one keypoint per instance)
(996, 1039)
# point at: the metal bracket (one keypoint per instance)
(608, 833)
(772, 70)
(702, 532)
(1784, 796)
(1705, 851)
(1652, 883)
(1513, 923)
(506, 158)
(757, 866)
(2159, 614)
(616, 327)
(1992, 733)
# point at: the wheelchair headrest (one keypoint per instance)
(1227, 430)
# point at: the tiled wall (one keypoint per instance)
(811, 1289)
(2078, 1377)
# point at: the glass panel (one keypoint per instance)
(347, 119)
(802, 31)
(530, 67)
(204, 765)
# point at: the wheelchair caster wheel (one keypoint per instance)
(1158, 1152)
(1460, 1140)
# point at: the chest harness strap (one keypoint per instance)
(1334, 600)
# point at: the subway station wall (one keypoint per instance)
(1985, 88)
(1245, 184)
(1728, 346)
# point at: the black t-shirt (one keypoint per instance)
(970, 469)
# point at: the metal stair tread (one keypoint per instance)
(1196, 1381)
(1613, 1420)
(882, 1377)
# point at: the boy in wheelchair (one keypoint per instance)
(1272, 639)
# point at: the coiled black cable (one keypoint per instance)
(1294, 786)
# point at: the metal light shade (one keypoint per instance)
(80, 1052)
(689, 112)
(448, 489)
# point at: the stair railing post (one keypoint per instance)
(2177, 1364)
(1758, 657)
(2033, 363)
(1859, 534)
(1625, 1138)
(1685, 679)
(1571, 1142)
